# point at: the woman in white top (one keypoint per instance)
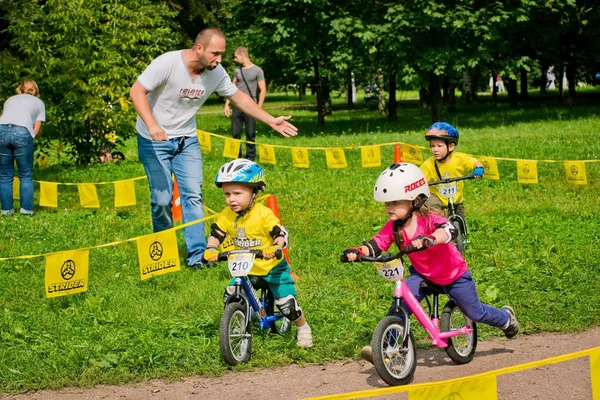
(20, 123)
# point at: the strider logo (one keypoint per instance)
(414, 185)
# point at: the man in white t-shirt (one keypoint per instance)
(167, 96)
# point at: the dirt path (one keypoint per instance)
(566, 380)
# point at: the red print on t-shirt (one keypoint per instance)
(191, 93)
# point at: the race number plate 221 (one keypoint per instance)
(240, 264)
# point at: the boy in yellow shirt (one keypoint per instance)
(445, 163)
(249, 224)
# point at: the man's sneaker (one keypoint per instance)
(367, 354)
(305, 337)
(512, 330)
(197, 265)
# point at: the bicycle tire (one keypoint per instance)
(461, 349)
(459, 242)
(281, 326)
(394, 362)
(235, 335)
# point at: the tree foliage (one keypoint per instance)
(84, 55)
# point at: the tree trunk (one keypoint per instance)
(424, 98)
(570, 98)
(326, 96)
(350, 90)
(543, 81)
(319, 93)
(392, 104)
(513, 93)
(445, 83)
(436, 100)
(452, 96)
(381, 95)
(494, 89)
(524, 89)
(300, 90)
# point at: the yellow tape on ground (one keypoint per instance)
(501, 371)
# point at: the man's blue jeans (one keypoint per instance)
(16, 144)
(184, 160)
(464, 292)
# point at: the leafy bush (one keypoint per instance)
(84, 56)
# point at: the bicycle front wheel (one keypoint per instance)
(459, 242)
(395, 361)
(235, 335)
(461, 348)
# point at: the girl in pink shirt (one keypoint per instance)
(404, 191)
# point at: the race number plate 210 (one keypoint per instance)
(240, 264)
(392, 270)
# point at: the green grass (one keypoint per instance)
(533, 246)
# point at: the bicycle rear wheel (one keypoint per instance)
(235, 335)
(395, 362)
(461, 348)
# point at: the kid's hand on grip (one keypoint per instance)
(273, 251)
(352, 254)
(420, 243)
(478, 172)
(211, 254)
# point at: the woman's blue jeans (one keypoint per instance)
(16, 144)
(183, 159)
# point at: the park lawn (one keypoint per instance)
(534, 247)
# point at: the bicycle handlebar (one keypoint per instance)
(387, 257)
(448, 180)
(257, 253)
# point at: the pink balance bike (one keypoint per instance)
(393, 343)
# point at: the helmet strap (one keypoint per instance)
(399, 223)
(250, 204)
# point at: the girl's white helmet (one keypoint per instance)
(400, 182)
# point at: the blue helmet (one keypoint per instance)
(444, 131)
(242, 171)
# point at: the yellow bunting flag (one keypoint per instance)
(42, 161)
(67, 272)
(575, 171)
(490, 168)
(158, 254)
(87, 195)
(300, 157)
(335, 158)
(49, 194)
(231, 149)
(527, 171)
(476, 389)
(595, 374)
(412, 154)
(124, 193)
(370, 156)
(204, 140)
(16, 188)
(266, 153)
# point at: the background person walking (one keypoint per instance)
(250, 79)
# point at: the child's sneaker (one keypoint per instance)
(512, 329)
(304, 336)
(367, 354)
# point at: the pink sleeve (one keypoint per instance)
(385, 237)
(431, 220)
